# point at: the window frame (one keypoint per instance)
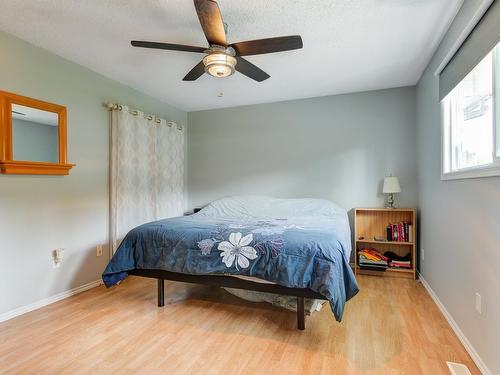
(487, 170)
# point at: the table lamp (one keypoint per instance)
(391, 187)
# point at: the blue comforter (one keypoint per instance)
(308, 252)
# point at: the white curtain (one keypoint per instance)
(147, 171)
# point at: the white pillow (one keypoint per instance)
(267, 207)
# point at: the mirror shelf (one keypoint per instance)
(32, 136)
(34, 167)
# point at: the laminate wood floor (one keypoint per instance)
(391, 327)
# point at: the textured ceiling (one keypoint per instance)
(349, 45)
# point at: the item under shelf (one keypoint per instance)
(406, 273)
(395, 269)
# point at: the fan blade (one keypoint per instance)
(211, 21)
(250, 70)
(168, 46)
(270, 45)
(195, 73)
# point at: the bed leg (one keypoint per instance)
(161, 293)
(301, 317)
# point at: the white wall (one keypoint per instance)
(40, 213)
(459, 221)
(335, 147)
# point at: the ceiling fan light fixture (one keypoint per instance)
(219, 64)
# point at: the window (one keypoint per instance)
(471, 122)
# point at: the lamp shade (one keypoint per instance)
(391, 185)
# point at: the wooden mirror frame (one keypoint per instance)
(10, 166)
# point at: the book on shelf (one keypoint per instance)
(400, 232)
(396, 264)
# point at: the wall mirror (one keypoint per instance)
(33, 136)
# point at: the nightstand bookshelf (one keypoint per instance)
(372, 222)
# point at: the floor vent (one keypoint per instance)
(458, 368)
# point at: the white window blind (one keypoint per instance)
(478, 44)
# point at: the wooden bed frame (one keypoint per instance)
(230, 282)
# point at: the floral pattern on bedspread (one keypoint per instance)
(265, 236)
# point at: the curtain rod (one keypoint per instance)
(135, 112)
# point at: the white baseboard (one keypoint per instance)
(47, 301)
(463, 339)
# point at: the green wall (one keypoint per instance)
(41, 213)
(334, 147)
(34, 141)
(459, 221)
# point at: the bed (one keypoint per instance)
(294, 247)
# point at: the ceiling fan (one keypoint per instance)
(222, 59)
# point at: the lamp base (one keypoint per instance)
(390, 201)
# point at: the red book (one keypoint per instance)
(399, 265)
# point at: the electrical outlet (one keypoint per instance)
(422, 253)
(57, 257)
(99, 250)
(479, 303)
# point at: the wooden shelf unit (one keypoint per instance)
(372, 222)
